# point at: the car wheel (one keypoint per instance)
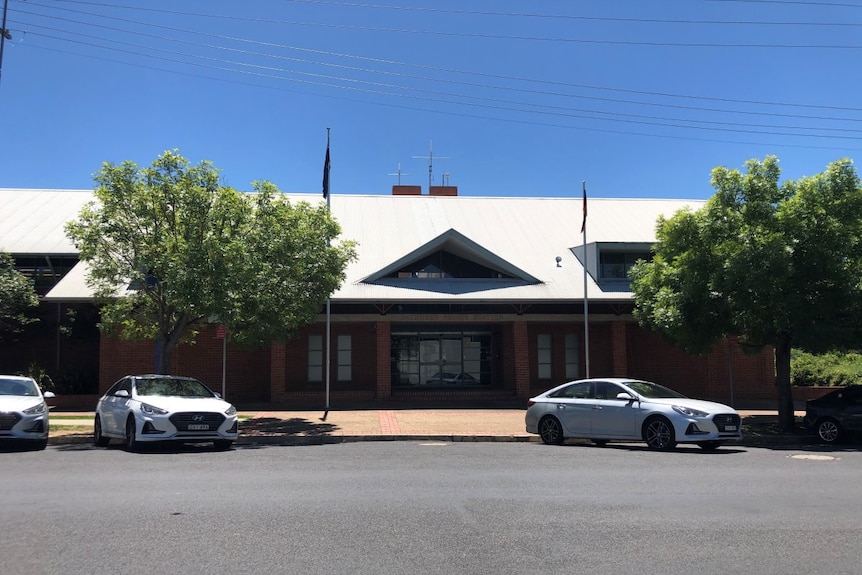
(709, 445)
(222, 444)
(98, 439)
(829, 431)
(658, 434)
(131, 439)
(551, 431)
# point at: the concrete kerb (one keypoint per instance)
(310, 435)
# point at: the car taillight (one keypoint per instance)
(531, 403)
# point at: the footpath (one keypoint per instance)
(452, 425)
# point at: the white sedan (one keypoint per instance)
(147, 408)
(23, 412)
(618, 409)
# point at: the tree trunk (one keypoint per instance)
(163, 356)
(786, 420)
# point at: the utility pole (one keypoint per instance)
(4, 33)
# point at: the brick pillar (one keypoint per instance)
(277, 371)
(521, 358)
(619, 349)
(384, 359)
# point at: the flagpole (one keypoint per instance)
(328, 299)
(586, 297)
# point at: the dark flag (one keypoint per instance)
(584, 222)
(326, 173)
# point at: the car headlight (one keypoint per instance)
(152, 409)
(230, 411)
(36, 409)
(689, 412)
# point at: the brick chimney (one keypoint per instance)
(406, 190)
(443, 191)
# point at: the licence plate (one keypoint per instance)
(198, 426)
(730, 428)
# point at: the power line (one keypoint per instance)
(448, 70)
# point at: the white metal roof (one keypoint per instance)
(524, 235)
(31, 221)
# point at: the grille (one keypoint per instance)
(722, 420)
(8, 420)
(182, 420)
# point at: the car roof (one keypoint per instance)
(16, 378)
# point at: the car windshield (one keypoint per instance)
(651, 390)
(24, 387)
(174, 387)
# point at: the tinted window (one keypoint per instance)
(582, 390)
(607, 390)
(652, 390)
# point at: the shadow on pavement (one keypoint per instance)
(285, 427)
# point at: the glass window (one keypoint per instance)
(616, 265)
(441, 358)
(572, 359)
(580, 390)
(315, 358)
(607, 390)
(543, 342)
(345, 355)
(443, 265)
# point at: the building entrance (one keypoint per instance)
(441, 358)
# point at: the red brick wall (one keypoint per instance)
(708, 376)
(247, 377)
(279, 374)
(364, 359)
(384, 360)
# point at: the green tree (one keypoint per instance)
(17, 297)
(775, 264)
(169, 249)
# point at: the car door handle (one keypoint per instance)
(597, 407)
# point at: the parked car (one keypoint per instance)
(147, 408)
(835, 415)
(451, 378)
(618, 409)
(23, 411)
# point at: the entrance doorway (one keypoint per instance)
(441, 358)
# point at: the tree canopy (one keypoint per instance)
(170, 249)
(775, 264)
(17, 297)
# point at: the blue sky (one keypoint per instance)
(639, 98)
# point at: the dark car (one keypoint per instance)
(835, 415)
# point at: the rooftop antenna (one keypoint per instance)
(446, 178)
(430, 158)
(399, 174)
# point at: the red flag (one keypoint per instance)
(584, 222)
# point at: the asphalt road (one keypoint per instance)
(430, 507)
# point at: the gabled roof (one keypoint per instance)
(520, 236)
(460, 245)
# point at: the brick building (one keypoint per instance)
(453, 299)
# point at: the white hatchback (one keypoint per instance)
(618, 409)
(23, 412)
(148, 408)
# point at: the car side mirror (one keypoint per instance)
(625, 396)
(121, 393)
(48, 394)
